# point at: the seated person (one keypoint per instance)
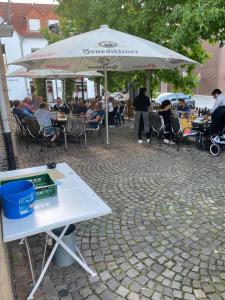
(182, 106)
(82, 107)
(79, 108)
(60, 106)
(186, 125)
(165, 112)
(91, 112)
(28, 105)
(94, 121)
(45, 118)
(18, 109)
(37, 101)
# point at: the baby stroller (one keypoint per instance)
(217, 143)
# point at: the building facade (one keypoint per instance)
(212, 73)
(28, 21)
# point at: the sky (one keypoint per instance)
(31, 1)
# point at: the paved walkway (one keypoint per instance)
(160, 241)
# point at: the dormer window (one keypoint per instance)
(34, 25)
(53, 26)
(53, 22)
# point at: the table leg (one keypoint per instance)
(46, 242)
(80, 261)
(30, 263)
(30, 297)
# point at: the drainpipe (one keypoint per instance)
(5, 122)
(21, 39)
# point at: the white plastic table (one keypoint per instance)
(75, 202)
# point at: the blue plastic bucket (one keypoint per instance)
(18, 198)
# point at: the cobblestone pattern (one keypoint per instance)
(159, 242)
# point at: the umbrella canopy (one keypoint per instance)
(104, 49)
(85, 51)
(52, 74)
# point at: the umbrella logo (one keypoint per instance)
(108, 44)
(103, 61)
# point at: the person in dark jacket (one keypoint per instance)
(165, 112)
(141, 106)
(182, 106)
(61, 106)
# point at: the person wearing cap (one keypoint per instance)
(218, 113)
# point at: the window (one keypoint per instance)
(34, 24)
(34, 49)
(52, 22)
(53, 26)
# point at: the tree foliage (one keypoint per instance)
(40, 87)
(180, 25)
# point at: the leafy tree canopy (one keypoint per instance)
(180, 25)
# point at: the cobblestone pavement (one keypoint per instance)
(159, 242)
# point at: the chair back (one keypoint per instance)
(156, 122)
(19, 124)
(175, 124)
(33, 127)
(75, 125)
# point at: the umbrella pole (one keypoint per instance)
(56, 87)
(106, 108)
(82, 87)
(64, 89)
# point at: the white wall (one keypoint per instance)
(16, 86)
(59, 91)
(33, 43)
(29, 43)
(19, 88)
(90, 89)
(16, 47)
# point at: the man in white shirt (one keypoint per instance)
(220, 99)
(111, 114)
(218, 112)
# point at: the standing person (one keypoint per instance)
(218, 114)
(141, 106)
(111, 112)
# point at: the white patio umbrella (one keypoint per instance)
(52, 74)
(104, 49)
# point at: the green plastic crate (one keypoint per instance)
(44, 185)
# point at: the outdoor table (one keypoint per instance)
(61, 120)
(75, 202)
